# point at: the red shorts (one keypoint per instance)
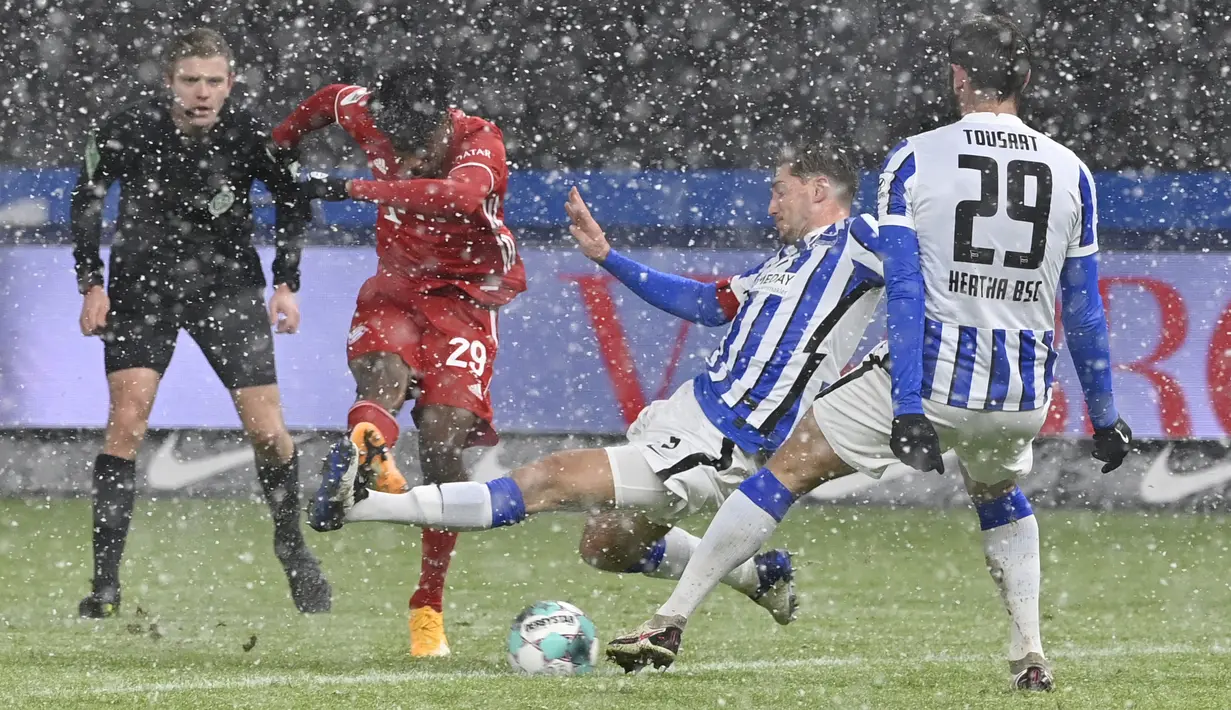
(448, 341)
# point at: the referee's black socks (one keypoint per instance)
(280, 486)
(115, 484)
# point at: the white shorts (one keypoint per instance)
(856, 415)
(676, 462)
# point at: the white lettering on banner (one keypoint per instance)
(1170, 339)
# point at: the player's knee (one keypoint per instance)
(806, 460)
(382, 378)
(798, 474)
(446, 427)
(600, 545)
(127, 425)
(443, 434)
(594, 552)
(268, 441)
(983, 492)
(534, 480)
(544, 483)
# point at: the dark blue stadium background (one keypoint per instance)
(703, 209)
(676, 85)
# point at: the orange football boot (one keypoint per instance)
(427, 633)
(376, 460)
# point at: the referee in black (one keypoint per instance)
(183, 258)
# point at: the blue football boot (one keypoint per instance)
(339, 489)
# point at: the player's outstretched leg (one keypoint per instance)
(565, 480)
(743, 524)
(1011, 545)
(629, 542)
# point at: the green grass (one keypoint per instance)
(899, 613)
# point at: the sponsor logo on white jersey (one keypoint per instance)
(777, 283)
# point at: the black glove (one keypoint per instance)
(319, 186)
(287, 159)
(914, 441)
(1111, 444)
(282, 156)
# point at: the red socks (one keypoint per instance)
(373, 413)
(437, 544)
(437, 553)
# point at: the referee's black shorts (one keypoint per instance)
(231, 327)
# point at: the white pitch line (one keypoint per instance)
(299, 680)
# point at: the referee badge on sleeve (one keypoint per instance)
(222, 201)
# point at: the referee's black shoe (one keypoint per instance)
(309, 589)
(102, 603)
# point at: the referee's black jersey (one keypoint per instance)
(185, 220)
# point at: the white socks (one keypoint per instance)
(679, 547)
(1013, 559)
(739, 529)
(450, 506)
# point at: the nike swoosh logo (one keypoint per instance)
(1162, 485)
(166, 472)
(488, 467)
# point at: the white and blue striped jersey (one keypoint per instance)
(997, 207)
(801, 315)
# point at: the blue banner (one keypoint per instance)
(1170, 211)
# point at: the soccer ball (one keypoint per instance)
(552, 638)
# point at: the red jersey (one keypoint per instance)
(436, 232)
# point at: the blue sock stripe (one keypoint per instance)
(653, 558)
(1004, 510)
(508, 506)
(764, 489)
